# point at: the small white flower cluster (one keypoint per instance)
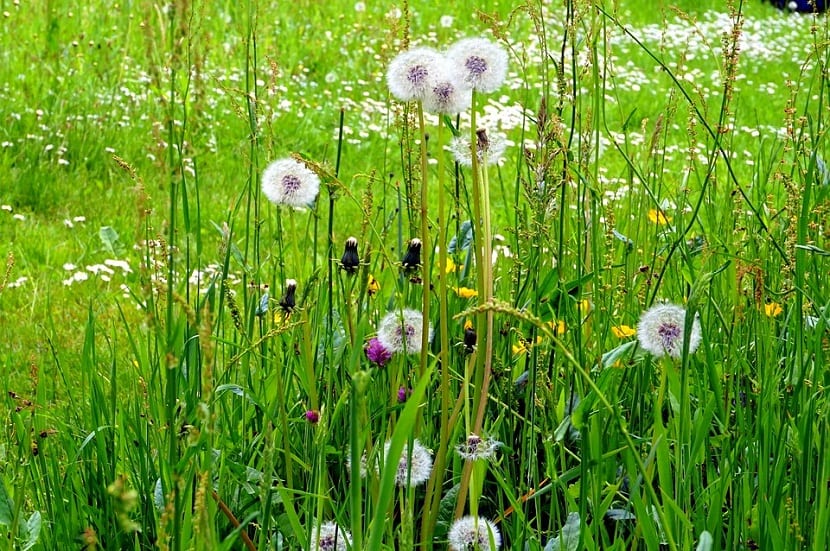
(444, 82)
(103, 271)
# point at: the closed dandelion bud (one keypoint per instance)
(350, 260)
(289, 301)
(470, 337)
(412, 259)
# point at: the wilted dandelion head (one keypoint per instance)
(413, 469)
(411, 73)
(476, 533)
(481, 64)
(476, 447)
(661, 330)
(289, 182)
(330, 537)
(403, 331)
(490, 148)
(447, 96)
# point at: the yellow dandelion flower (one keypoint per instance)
(623, 331)
(373, 285)
(465, 292)
(468, 325)
(558, 327)
(523, 346)
(772, 309)
(450, 266)
(658, 217)
(584, 306)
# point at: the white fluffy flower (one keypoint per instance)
(413, 469)
(411, 73)
(481, 64)
(661, 330)
(403, 331)
(289, 182)
(330, 537)
(473, 533)
(476, 447)
(447, 96)
(490, 146)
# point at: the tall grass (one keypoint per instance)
(193, 409)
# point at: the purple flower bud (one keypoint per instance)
(402, 394)
(312, 416)
(377, 353)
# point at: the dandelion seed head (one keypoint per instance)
(289, 182)
(492, 150)
(413, 469)
(330, 537)
(447, 97)
(410, 73)
(661, 331)
(403, 331)
(476, 447)
(473, 533)
(480, 63)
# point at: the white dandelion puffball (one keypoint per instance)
(476, 447)
(412, 470)
(291, 183)
(491, 148)
(661, 331)
(403, 331)
(473, 533)
(447, 96)
(330, 537)
(411, 73)
(480, 64)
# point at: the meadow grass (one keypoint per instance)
(160, 392)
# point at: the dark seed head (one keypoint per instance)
(412, 259)
(350, 259)
(289, 301)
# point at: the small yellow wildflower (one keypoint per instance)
(468, 325)
(450, 267)
(772, 309)
(523, 346)
(373, 286)
(558, 327)
(623, 331)
(465, 292)
(584, 306)
(658, 217)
